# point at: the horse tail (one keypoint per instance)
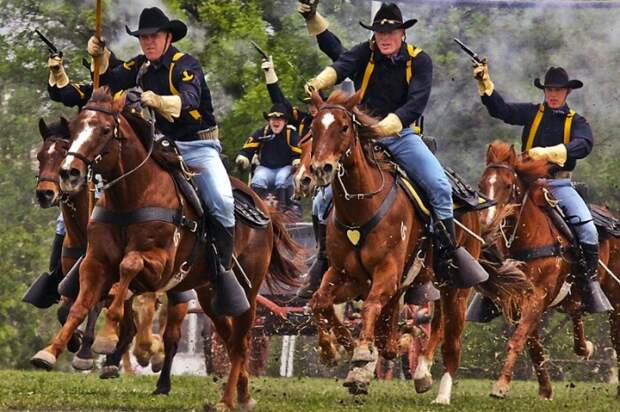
(286, 255)
(507, 284)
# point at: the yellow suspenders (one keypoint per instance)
(177, 56)
(294, 149)
(370, 67)
(536, 123)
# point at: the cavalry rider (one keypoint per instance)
(174, 85)
(277, 147)
(395, 79)
(554, 132)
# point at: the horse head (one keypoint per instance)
(303, 180)
(56, 141)
(334, 134)
(92, 130)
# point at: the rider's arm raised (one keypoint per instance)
(520, 114)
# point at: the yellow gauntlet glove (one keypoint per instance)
(327, 78)
(555, 154)
(389, 126)
(167, 106)
(58, 77)
(481, 73)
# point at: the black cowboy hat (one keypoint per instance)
(388, 18)
(153, 20)
(557, 77)
(277, 111)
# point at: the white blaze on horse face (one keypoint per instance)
(51, 149)
(491, 195)
(327, 120)
(81, 139)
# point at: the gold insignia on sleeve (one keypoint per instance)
(187, 76)
(128, 65)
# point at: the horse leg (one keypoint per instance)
(531, 313)
(240, 353)
(581, 345)
(107, 337)
(92, 283)
(422, 378)
(614, 323)
(535, 349)
(127, 330)
(143, 310)
(172, 335)
(386, 333)
(454, 304)
(83, 360)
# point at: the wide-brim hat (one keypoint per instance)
(557, 77)
(277, 111)
(153, 20)
(388, 18)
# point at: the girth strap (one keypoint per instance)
(357, 234)
(539, 252)
(145, 214)
(73, 252)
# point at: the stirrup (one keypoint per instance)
(481, 309)
(230, 298)
(469, 272)
(594, 299)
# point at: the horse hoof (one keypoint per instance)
(498, 392)
(589, 350)
(75, 342)
(109, 372)
(424, 384)
(547, 396)
(161, 390)
(363, 354)
(157, 363)
(356, 388)
(82, 364)
(105, 345)
(441, 400)
(43, 360)
(218, 407)
(248, 405)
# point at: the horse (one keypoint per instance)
(503, 181)
(75, 210)
(164, 254)
(370, 263)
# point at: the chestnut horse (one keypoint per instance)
(371, 263)
(501, 182)
(157, 255)
(56, 142)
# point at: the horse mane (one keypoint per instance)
(530, 170)
(366, 120)
(500, 152)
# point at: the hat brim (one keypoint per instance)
(384, 28)
(571, 84)
(267, 117)
(176, 27)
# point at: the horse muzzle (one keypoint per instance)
(323, 172)
(46, 197)
(71, 179)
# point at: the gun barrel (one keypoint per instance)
(469, 51)
(259, 50)
(48, 43)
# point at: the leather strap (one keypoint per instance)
(537, 253)
(145, 214)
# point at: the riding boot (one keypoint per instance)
(43, 292)
(454, 266)
(230, 297)
(592, 296)
(262, 193)
(280, 193)
(320, 264)
(481, 309)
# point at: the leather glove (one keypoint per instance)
(307, 8)
(327, 78)
(242, 162)
(270, 72)
(555, 154)
(481, 73)
(296, 163)
(58, 77)
(389, 126)
(100, 55)
(167, 106)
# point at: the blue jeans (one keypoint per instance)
(212, 181)
(267, 178)
(575, 210)
(421, 165)
(321, 203)
(60, 225)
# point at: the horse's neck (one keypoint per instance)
(359, 177)
(534, 227)
(75, 215)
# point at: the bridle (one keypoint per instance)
(340, 170)
(56, 181)
(116, 135)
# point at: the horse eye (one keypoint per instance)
(345, 128)
(106, 129)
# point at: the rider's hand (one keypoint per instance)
(95, 46)
(307, 8)
(327, 78)
(389, 126)
(481, 74)
(242, 162)
(555, 154)
(169, 107)
(100, 55)
(296, 163)
(58, 77)
(269, 70)
(315, 23)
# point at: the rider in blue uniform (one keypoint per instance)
(174, 85)
(395, 81)
(554, 132)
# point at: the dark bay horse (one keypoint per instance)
(157, 255)
(75, 210)
(505, 180)
(372, 263)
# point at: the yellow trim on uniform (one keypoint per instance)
(195, 114)
(251, 144)
(177, 56)
(301, 129)
(187, 76)
(370, 67)
(568, 122)
(76, 87)
(294, 149)
(118, 94)
(129, 65)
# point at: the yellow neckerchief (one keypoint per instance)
(370, 67)
(568, 122)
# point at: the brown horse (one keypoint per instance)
(56, 142)
(155, 255)
(370, 263)
(501, 181)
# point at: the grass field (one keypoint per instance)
(52, 391)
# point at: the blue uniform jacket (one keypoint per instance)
(274, 150)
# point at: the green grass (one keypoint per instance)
(52, 391)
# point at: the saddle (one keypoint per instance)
(606, 223)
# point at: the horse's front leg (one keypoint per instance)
(84, 360)
(172, 334)
(422, 378)
(535, 349)
(92, 283)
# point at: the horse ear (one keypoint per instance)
(119, 102)
(316, 99)
(64, 123)
(43, 129)
(490, 154)
(353, 100)
(513, 154)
